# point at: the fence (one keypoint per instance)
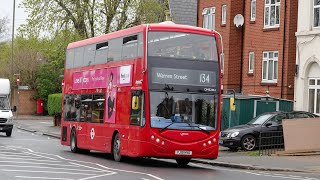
(270, 142)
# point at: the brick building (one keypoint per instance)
(259, 56)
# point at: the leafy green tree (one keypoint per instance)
(90, 17)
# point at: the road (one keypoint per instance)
(27, 155)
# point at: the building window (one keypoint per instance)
(272, 13)
(253, 10)
(316, 13)
(209, 18)
(251, 62)
(224, 15)
(270, 67)
(314, 95)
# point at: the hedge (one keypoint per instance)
(54, 104)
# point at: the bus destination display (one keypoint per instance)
(183, 77)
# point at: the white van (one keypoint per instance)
(6, 116)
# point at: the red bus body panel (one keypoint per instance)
(136, 140)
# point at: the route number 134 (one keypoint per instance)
(204, 78)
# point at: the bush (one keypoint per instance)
(54, 107)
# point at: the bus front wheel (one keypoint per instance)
(73, 142)
(116, 148)
(183, 161)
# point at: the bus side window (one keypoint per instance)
(89, 53)
(130, 47)
(78, 57)
(137, 116)
(98, 108)
(101, 55)
(70, 58)
(86, 108)
(115, 47)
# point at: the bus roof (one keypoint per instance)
(141, 28)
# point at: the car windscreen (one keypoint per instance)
(260, 119)
(4, 103)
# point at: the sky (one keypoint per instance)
(6, 9)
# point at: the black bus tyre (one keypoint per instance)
(8, 133)
(248, 143)
(73, 142)
(183, 161)
(116, 148)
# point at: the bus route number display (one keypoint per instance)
(183, 77)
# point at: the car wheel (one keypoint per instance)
(73, 142)
(248, 143)
(8, 133)
(116, 148)
(183, 161)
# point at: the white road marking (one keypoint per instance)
(134, 172)
(112, 173)
(81, 165)
(40, 155)
(81, 162)
(24, 162)
(40, 167)
(39, 160)
(16, 156)
(258, 173)
(38, 140)
(28, 171)
(27, 177)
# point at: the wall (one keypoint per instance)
(258, 39)
(301, 134)
(307, 54)
(26, 105)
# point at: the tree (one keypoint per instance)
(90, 17)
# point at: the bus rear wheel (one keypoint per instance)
(183, 161)
(116, 148)
(73, 142)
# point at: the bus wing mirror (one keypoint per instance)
(135, 102)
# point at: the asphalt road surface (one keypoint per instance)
(27, 155)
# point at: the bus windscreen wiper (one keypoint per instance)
(204, 130)
(166, 126)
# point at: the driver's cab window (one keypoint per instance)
(277, 120)
(137, 114)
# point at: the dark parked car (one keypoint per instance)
(246, 136)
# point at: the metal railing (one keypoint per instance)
(270, 142)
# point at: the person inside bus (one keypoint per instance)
(110, 98)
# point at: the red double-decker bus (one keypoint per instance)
(148, 91)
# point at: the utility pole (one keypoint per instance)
(13, 21)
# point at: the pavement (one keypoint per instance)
(239, 160)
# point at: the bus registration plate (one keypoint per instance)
(182, 152)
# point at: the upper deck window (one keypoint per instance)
(182, 46)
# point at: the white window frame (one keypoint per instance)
(266, 58)
(253, 13)
(268, 5)
(314, 8)
(316, 87)
(222, 62)
(251, 62)
(224, 14)
(209, 18)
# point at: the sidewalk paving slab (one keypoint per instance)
(238, 160)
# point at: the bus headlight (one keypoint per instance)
(152, 137)
(157, 140)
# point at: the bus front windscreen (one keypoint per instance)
(180, 45)
(183, 111)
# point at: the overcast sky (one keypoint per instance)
(6, 9)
